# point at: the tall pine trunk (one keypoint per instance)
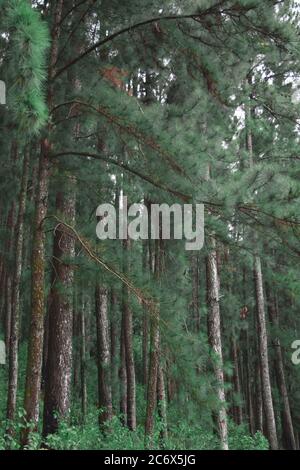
(127, 324)
(263, 355)
(83, 353)
(214, 337)
(104, 356)
(261, 317)
(59, 361)
(238, 411)
(15, 305)
(36, 330)
(288, 436)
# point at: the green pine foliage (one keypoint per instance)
(159, 113)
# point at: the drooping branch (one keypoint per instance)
(213, 9)
(91, 252)
(130, 130)
(125, 167)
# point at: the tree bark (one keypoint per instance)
(84, 397)
(114, 329)
(287, 422)
(59, 363)
(6, 281)
(195, 293)
(123, 378)
(259, 415)
(36, 330)
(145, 326)
(103, 359)
(260, 312)
(214, 337)
(263, 355)
(128, 341)
(154, 365)
(15, 305)
(162, 405)
(238, 411)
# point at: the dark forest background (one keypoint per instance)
(142, 344)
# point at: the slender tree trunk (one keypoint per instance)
(152, 379)
(259, 415)
(154, 365)
(214, 337)
(145, 327)
(263, 355)
(123, 377)
(261, 319)
(8, 311)
(83, 394)
(162, 405)
(6, 283)
(15, 305)
(249, 389)
(195, 293)
(114, 328)
(287, 422)
(36, 331)
(5, 287)
(59, 363)
(103, 360)
(128, 340)
(238, 411)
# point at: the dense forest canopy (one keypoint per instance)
(132, 344)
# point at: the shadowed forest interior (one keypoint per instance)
(142, 343)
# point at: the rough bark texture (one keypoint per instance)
(103, 360)
(195, 293)
(259, 415)
(35, 345)
(238, 411)
(152, 379)
(6, 284)
(114, 330)
(263, 355)
(36, 331)
(288, 436)
(128, 341)
(15, 306)
(260, 311)
(83, 393)
(154, 353)
(214, 337)
(59, 363)
(162, 405)
(123, 378)
(145, 326)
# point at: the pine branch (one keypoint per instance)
(208, 11)
(142, 298)
(125, 167)
(130, 129)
